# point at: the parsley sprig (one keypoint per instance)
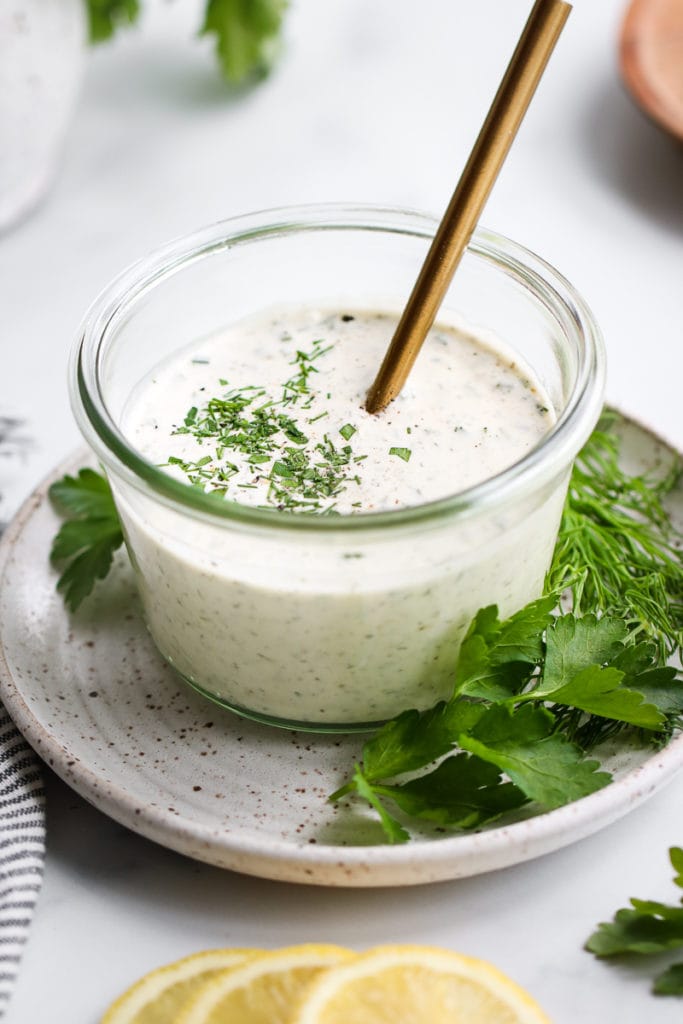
(90, 536)
(247, 35)
(534, 694)
(246, 32)
(514, 731)
(105, 16)
(647, 927)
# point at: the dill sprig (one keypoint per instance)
(618, 552)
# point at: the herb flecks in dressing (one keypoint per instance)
(274, 415)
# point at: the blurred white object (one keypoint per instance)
(42, 46)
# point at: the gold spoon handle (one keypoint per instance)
(515, 92)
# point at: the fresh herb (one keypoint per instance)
(618, 552)
(526, 690)
(463, 792)
(395, 831)
(247, 32)
(403, 453)
(302, 476)
(647, 927)
(534, 694)
(105, 16)
(87, 541)
(247, 35)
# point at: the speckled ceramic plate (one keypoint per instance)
(99, 704)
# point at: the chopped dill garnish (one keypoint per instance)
(301, 476)
(403, 453)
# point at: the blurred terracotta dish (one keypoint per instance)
(651, 59)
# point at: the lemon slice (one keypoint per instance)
(262, 990)
(414, 985)
(159, 996)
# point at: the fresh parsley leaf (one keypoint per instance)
(598, 691)
(78, 534)
(415, 738)
(87, 495)
(463, 791)
(481, 676)
(520, 638)
(545, 766)
(635, 659)
(394, 831)
(105, 16)
(89, 538)
(92, 564)
(497, 658)
(347, 431)
(658, 685)
(670, 982)
(577, 673)
(247, 35)
(575, 644)
(646, 927)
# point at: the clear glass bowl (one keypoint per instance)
(330, 623)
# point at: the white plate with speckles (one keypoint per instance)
(99, 704)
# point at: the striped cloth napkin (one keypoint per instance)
(22, 848)
(22, 802)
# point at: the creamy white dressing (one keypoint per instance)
(466, 412)
(333, 628)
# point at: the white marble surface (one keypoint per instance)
(373, 102)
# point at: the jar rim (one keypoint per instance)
(557, 448)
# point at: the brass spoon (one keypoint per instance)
(528, 62)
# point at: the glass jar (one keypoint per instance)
(317, 622)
